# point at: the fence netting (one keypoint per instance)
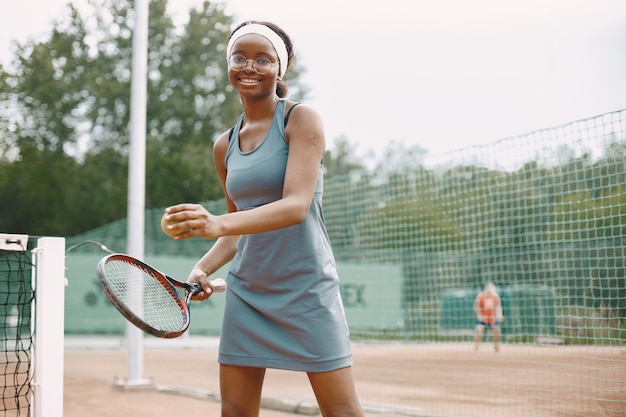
(541, 215)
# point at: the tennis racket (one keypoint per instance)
(149, 299)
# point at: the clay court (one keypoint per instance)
(424, 380)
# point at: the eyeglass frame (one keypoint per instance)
(245, 65)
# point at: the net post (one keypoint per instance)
(49, 283)
(136, 179)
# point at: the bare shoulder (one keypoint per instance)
(220, 147)
(304, 118)
(301, 110)
(222, 141)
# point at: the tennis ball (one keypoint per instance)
(169, 232)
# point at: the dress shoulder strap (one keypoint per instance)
(289, 112)
(230, 132)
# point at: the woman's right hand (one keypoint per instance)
(199, 276)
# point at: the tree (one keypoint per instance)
(64, 115)
(342, 160)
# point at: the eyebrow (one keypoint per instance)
(258, 55)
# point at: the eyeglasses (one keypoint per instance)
(261, 65)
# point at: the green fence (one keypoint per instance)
(542, 215)
(371, 295)
(528, 311)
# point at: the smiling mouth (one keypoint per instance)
(244, 80)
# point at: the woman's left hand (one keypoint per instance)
(194, 219)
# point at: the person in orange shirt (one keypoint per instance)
(488, 310)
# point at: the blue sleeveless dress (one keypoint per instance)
(283, 306)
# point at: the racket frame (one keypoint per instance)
(168, 283)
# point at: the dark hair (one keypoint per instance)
(281, 87)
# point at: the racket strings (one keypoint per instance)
(142, 293)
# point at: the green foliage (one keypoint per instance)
(560, 226)
(65, 111)
(21, 208)
(64, 115)
(342, 160)
(411, 216)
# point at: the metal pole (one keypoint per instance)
(137, 176)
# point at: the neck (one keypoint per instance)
(259, 108)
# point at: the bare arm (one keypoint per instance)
(477, 311)
(219, 255)
(305, 133)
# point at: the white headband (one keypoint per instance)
(276, 41)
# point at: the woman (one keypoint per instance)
(283, 306)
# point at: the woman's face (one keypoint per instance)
(258, 53)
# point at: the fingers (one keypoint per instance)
(181, 207)
(202, 295)
(186, 211)
(181, 213)
(192, 220)
(187, 218)
(200, 277)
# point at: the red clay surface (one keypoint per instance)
(393, 379)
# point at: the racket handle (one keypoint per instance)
(218, 285)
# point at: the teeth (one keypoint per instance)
(249, 80)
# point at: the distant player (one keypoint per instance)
(488, 310)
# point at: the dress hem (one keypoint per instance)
(325, 366)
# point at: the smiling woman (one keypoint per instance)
(273, 50)
(283, 287)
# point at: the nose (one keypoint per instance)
(246, 65)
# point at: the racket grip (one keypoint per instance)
(218, 285)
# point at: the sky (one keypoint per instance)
(440, 75)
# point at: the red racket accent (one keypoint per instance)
(146, 297)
